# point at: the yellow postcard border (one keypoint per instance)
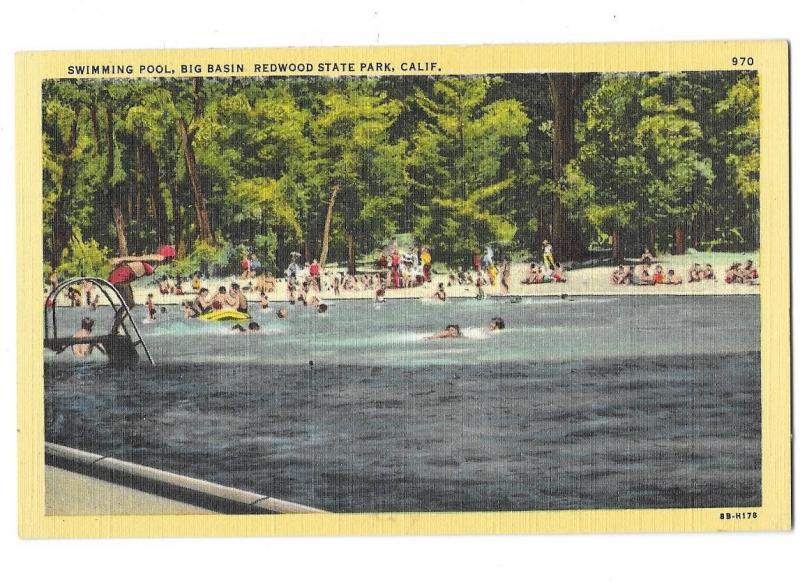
(771, 62)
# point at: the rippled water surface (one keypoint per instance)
(598, 402)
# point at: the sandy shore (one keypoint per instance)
(584, 281)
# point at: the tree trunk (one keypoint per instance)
(351, 256)
(679, 240)
(61, 229)
(616, 247)
(177, 223)
(203, 224)
(564, 88)
(326, 232)
(112, 193)
(152, 184)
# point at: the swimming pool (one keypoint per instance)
(598, 402)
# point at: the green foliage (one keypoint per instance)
(457, 168)
(84, 258)
(457, 162)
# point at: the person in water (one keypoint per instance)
(322, 308)
(264, 301)
(496, 324)
(151, 308)
(202, 303)
(83, 350)
(440, 293)
(282, 313)
(449, 332)
(236, 299)
(252, 327)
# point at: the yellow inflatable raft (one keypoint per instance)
(224, 315)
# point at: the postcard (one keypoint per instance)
(404, 290)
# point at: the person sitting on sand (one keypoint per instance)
(616, 275)
(708, 273)
(645, 278)
(83, 350)
(627, 276)
(496, 324)
(732, 274)
(749, 272)
(264, 301)
(178, 288)
(197, 284)
(673, 278)
(151, 308)
(451, 331)
(74, 296)
(658, 275)
(440, 293)
(558, 274)
(695, 274)
(530, 276)
(164, 286)
(647, 257)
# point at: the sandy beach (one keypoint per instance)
(582, 281)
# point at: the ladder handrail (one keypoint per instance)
(102, 285)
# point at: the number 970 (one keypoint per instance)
(742, 61)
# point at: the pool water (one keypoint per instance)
(597, 402)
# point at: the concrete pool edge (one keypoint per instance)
(197, 492)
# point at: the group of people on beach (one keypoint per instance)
(649, 272)
(745, 273)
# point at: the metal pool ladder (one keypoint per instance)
(120, 347)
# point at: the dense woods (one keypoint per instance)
(336, 168)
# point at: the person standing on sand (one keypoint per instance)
(395, 268)
(505, 276)
(548, 258)
(245, 267)
(479, 286)
(426, 259)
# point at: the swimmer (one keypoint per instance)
(282, 313)
(83, 350)
(252, 327)
(566, 297)
(496, 324)
(451, 331)
(322, 308)
(264, 301)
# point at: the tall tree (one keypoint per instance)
(458, 166)
(564, 91)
